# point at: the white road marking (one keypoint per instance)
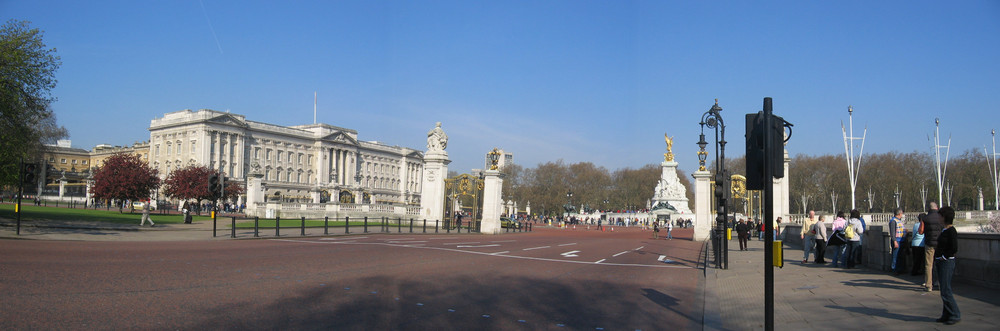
(476, 246)
(498, 253)
(640, 247)
(533, 248)
(570, 254)
(473, 242)
(490, 254)
(660, 259)
(406, 242)
(503, 241)
(345, 238)
(569, 244)
(616, 255)
(599, 261)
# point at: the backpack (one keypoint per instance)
(849, 232)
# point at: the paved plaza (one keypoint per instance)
(809, 296)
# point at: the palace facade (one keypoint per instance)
(305, 163)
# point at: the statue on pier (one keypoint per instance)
(437, 140)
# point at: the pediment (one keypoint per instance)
(228, 120)
(342, 138)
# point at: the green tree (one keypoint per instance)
(27, 77)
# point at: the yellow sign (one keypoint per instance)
(776, 259)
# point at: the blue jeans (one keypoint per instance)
(895, 256)
(807, 246)
(853, 253)
(838, 254)
(945, 269)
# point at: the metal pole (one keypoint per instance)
(366, 224)
(256, 227)
(233, 227)
(277, 226)
(303, 233)
(411, 225)
(768, 223)
(347, 224)
(326, 224)
(399, 225)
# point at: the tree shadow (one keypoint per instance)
(881, 283)
(882, 312)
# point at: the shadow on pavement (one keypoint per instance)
(882, 312)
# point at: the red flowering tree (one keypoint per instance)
(188, 183)
(191, 183)
(124, 177)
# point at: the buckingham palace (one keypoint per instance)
(306, 163)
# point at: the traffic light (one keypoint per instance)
(213, 185)
(28, 174)
(757, 150)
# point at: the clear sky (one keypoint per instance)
(597, 81)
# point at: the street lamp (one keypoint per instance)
(897, 195)
(713, 120)
(569, 203)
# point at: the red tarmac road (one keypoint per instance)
(547, 279)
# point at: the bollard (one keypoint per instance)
(347, 224)
(233, 235)
(399, 225)
(425, 225)
(277, 226)
(326, 224)
(303, 226)
(366, 224)
(256, 227)
(436, 226)
(411, 225)
(214, 226)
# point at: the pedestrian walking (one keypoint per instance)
(670, 230)
(897, 233)
(145, 215)
(854, 240)
(743, 231)
(933, 224)
(917, 246)
(819, 229)
(836, 239)
(808, 235)
(656, 230)
(944, 262)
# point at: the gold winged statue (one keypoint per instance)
(669, 156)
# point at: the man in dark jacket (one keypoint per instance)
(743, 231)
(931, 230)
(944, 260)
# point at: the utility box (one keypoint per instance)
(777, 259)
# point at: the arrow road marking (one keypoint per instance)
(660, 259)
(570, 254)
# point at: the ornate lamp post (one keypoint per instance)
(852, 167)
(713, 120)
(897, 194)
(569, 203)
(994, 172)
(941, 171)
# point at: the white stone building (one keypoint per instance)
(306, 163)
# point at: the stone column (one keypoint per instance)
(703, 221)
(435, 171)
(527, 209)
(255, 194)
(62, 188)
(492, 204)
(782, 199)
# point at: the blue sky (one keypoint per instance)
(597, 81)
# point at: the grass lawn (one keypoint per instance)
(31, 213)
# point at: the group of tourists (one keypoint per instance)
(933, 244)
